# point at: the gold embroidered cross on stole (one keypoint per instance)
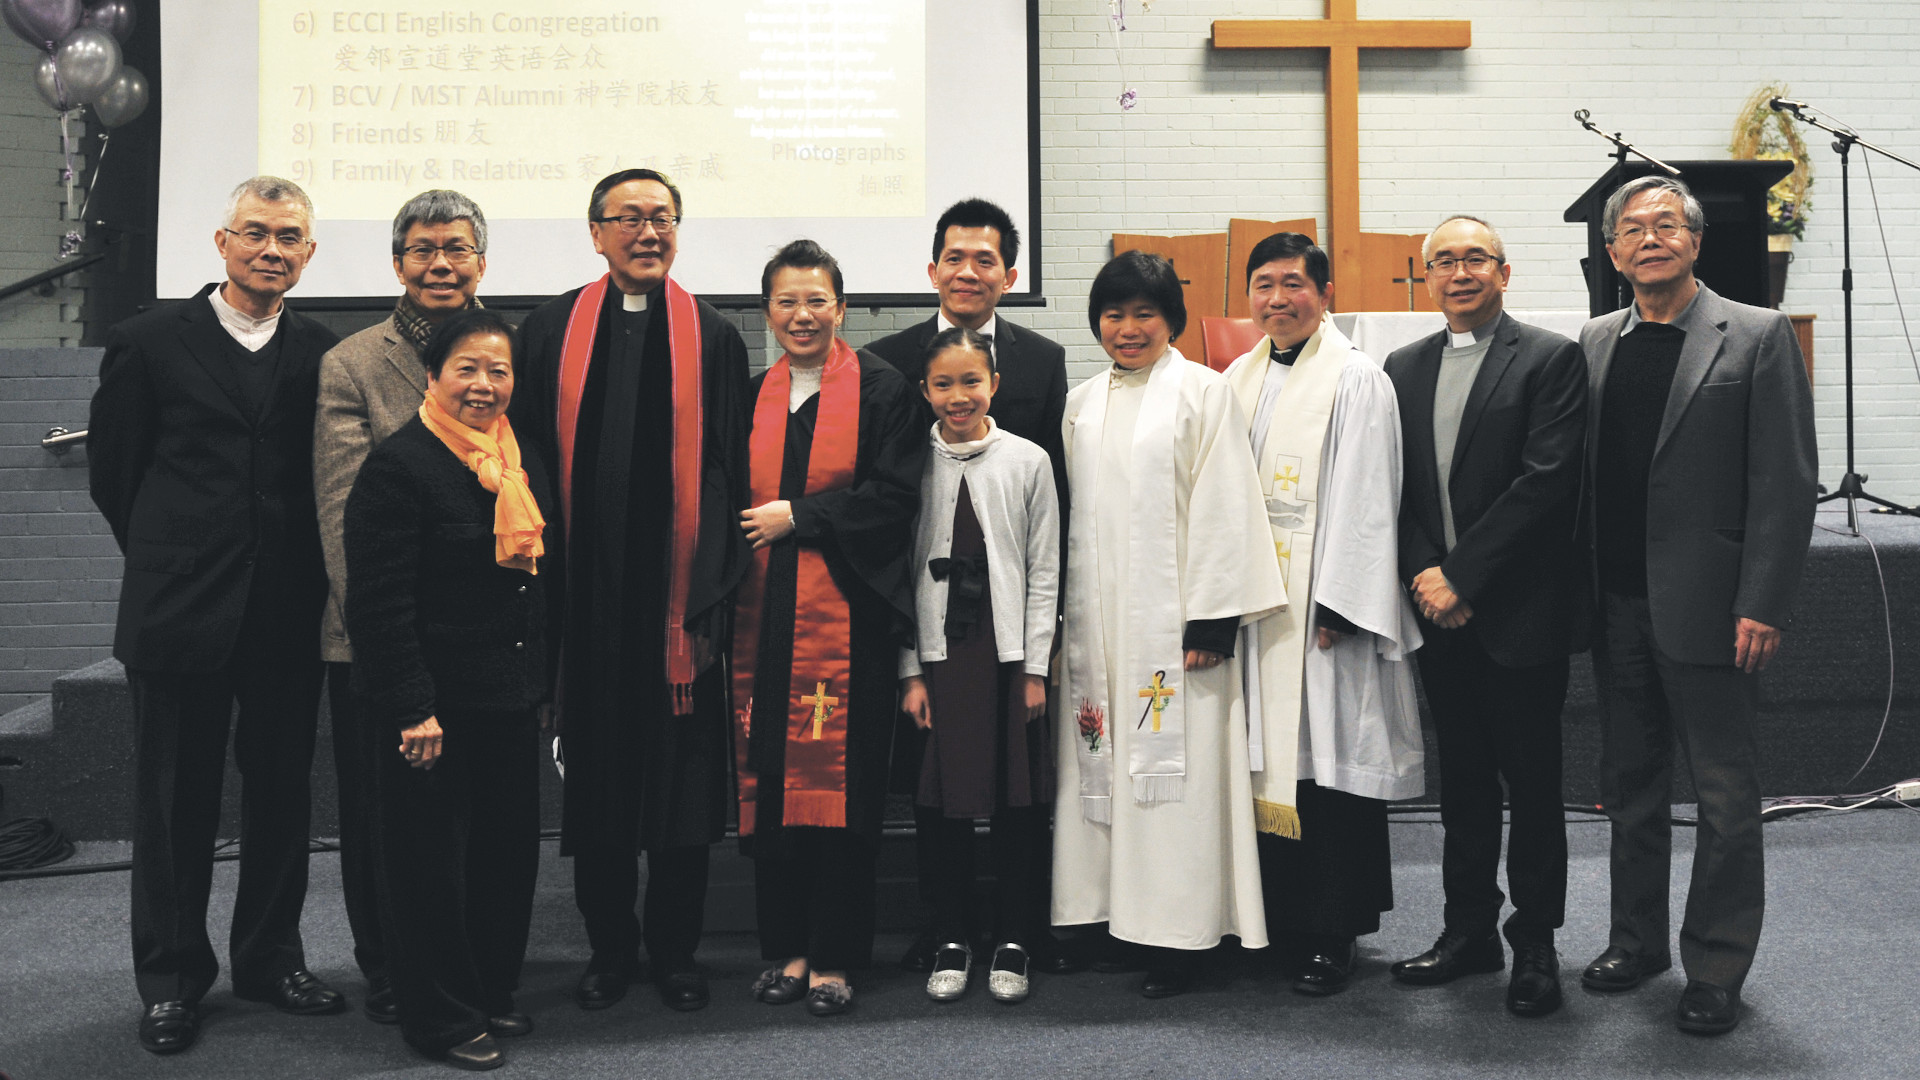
(1159, 692)
(822, 706)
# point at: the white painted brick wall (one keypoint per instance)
(1489, 131)
(32, 203)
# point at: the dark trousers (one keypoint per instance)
(459, 851)
(1498, 724)
(1331, 884)
(1017, 835)
(1647, 700)
(354, 750)
(814, 897)
(180, 722)
(606, 884)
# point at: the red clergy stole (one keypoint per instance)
(683, 341)
(814, 785)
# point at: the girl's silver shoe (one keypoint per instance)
(1007, 977)
(950, 983)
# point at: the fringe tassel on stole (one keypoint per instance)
(1276, 819)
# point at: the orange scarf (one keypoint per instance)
(494, 457)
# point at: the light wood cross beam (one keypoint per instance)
(1343, 34)
(822, 706)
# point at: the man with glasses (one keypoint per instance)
(1493, 413)
(200, 454)
(371, 384)
(635, 391)
(1701, 482)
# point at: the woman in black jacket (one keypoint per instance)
(447, 574)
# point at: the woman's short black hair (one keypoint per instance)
(463, 325)
(960, 337)
(801, 255)
(1136, 275)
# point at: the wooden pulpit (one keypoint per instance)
(1393, 276)
(1201, 262)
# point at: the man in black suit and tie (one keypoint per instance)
(975, 245)
(1494, 416)
(201, 459)
(1701, 482)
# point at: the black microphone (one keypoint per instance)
(1781, 104)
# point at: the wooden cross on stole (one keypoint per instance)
(822, 706)
(1343, 34)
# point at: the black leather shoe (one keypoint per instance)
(169, 1027)
(1326, 969)
(1706, 1009)
(830, 999)
(1617, 969)
(682, 991)
(380, 1006)
(477, 1054)
(775, 987)
(1169, 974)
(1056, 957)
(604, 982)
(1534, 989)
(919, 955)
(301, 994)
(511, 1026)
(1453, 955)
(1111, 956)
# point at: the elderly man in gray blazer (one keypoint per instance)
(1699, 503)
(370, 385)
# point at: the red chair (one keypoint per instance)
(1224, 340)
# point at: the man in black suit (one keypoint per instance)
(1700, 471)
(1494, 416)
(975, 245)
(201, 454)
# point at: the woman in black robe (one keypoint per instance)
(814, 884)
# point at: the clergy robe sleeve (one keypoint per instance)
(1550, 464)
(121, 431)
(870, 521)
(1355, 568)
(1226, 535)
(1211, 635)
(383, 539)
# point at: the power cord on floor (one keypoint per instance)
(28, 843)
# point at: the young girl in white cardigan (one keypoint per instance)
(987, 576)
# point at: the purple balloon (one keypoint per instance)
(41, 23)
(113, 16)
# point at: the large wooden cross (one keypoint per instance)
(1343, 34)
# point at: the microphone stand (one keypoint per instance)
(1621, 147)
(1853, 486)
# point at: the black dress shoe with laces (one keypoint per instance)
(1326, 968)
(300, 993)
(1706, 1009)
(477, 1054)
(682, 991)
(604, 982)
(1534, 989)
(1453, 955)
(381, 1006)
(169, 1027)
(1618, 969)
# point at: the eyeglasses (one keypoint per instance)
(257, 240)
(818, 305)
(631, 224)
(1476, 263)
(1634, 234)
(422, 254)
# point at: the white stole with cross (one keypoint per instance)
(1274, 648)
(1152, 656)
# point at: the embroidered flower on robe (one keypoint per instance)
(1093, 725)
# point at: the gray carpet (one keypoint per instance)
(1830, 996)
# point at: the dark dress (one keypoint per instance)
(814, 886)
(441, 630)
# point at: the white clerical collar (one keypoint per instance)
(987, 328)
(960, 451)
(1634, 319)
(250, 332)
(1472, 337)
(632, 302)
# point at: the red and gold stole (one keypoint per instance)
(683, 338)
(815, 780)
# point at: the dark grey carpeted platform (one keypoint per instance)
(1830, 996)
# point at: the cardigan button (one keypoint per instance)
(521, 589)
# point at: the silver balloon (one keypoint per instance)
(87, 61)
(40, 23)
(124, 98)
(113, 16)
(51, 91)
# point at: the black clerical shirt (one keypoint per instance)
(1631, 407)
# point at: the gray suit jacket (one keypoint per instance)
(371, 384)
(1730, 493)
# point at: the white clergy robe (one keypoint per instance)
(1171, 865)
(1358, 721)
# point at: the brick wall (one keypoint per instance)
(32, 204)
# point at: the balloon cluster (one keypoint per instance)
(82, 65)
